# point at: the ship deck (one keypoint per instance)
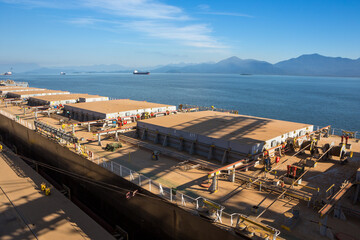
(236, 197)
(29, 93)
(65, 97)
(27, 213)
(114, 106)
(226, 126)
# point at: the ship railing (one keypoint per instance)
(189, 107)
(147, 183)
(17, 119)
(177, 197)
(340, 132)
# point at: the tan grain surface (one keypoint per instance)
(37, 92)
(114, 106)
(64, 97)
(18, 88)
(227, 126)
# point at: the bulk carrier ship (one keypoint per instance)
(157, 171)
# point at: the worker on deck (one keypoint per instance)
(267, 164)
(155, 155)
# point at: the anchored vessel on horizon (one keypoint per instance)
(141, 73)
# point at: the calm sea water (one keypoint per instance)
(315, 100)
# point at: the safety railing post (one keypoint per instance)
(139, 179)
(120, 170)
(161, 190)
(131, 176)
(171, 196)
(112, 166)
(183, 203)
(149, 184)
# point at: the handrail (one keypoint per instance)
(227, 167)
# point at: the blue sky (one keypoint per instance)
(148, 33)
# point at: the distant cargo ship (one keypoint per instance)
(7, 73)
(143, 73)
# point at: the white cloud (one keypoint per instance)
(205, 9)
(145, 9)
(43, 3)
(150, 17)
(196, 35)
(228, 14)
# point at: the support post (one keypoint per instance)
(183, 203)
(338, 213)
(116, 136)
(357, 191)
(323, 225)
(214, 185)
(192, 148)
(181, 144)
(89, 127)
(156, 139)
(99, 139)
(161, 190)
(232, 175)
(225, 157)
(143, 137)
(165, 142)
(73, 129)
(210, 154)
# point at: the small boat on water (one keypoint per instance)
(7, 73)
(141, 73)
(63, 73)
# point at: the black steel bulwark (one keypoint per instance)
(145, 216)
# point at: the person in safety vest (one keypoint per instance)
(267, 164)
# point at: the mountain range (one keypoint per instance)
(305, 65)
